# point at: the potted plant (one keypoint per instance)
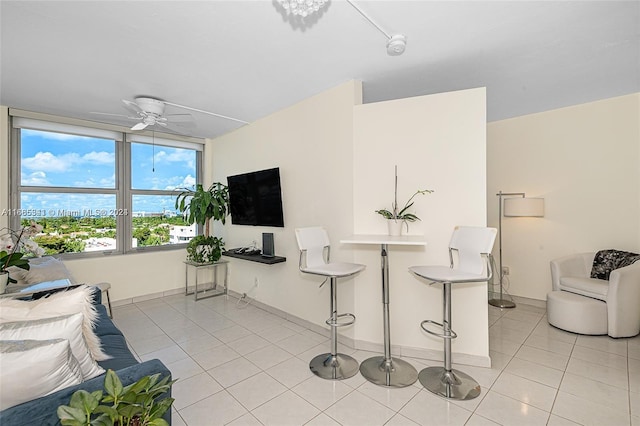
(13, 254)
(200, 206)
(138, 404)
(397, 217)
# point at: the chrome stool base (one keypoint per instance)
(336, 367)
(453, 384)
(388, 372)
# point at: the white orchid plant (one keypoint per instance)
(17, 247)
(401, 214)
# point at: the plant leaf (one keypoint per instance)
(112, 384)
(70, 415)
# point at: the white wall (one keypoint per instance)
(336, 163)
(585, 161)
(311, 143)
(438, 142)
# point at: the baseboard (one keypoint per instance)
(521, 300)
(355, 344)
(396, 350)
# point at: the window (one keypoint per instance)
(96, 190)
(160, 169)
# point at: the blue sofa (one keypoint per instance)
(42, 411)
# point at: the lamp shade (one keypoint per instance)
(527, 207)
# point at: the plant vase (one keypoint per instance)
(203, 249)
(4, 279)
(395, 226)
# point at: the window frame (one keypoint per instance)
(122, 190)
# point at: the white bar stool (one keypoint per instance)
(473, 246)
(314, 259)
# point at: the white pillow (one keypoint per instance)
(30, 369)
(41, 270)
(67, 327)
(55, 305)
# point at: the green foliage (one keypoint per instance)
(403, 214)
(203, 249)
(135, 404)
(201, 206)
(8, 259)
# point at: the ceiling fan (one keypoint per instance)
(150, 111)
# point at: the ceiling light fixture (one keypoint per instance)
(302, 8)
(396, 44)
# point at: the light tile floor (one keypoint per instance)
(245, 366)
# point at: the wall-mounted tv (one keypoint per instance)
(256, 198)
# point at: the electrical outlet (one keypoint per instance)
(505, 270)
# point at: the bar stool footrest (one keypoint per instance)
(337, 323)
(453, 334)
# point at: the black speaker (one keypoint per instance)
(267, 244)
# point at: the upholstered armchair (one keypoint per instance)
(586, 305)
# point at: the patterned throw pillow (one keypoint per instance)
(606, 261)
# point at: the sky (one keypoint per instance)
(62, 160)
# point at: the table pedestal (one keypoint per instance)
(384, 370)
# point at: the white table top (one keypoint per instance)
(406, 240)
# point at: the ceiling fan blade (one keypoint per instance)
(175, 129)
(206, 112)
(139, 126)
(179, 118)
(114, 115)
(132, 106)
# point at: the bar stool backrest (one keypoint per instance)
(472, 244)
(313, 243)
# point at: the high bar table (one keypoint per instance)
(384, 370)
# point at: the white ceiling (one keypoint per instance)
(246, 59)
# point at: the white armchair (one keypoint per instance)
(582, 311)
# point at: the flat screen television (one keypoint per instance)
(256, 198)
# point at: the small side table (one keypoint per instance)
(210, 288)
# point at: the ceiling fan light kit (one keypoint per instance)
(396, 45)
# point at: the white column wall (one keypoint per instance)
(438, 142)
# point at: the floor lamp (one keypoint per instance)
(517, 205)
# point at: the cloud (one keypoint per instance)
(99, 157)
(35, 179)
(176, 155)
(48, 162)
(187, 181)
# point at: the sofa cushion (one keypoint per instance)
(104, 326)
(67, 327)
(590, 287)
(42, 411)
(121, 356)
(30, 369)
(61, 303)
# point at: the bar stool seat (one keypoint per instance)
(473, 246)
(314, 259)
